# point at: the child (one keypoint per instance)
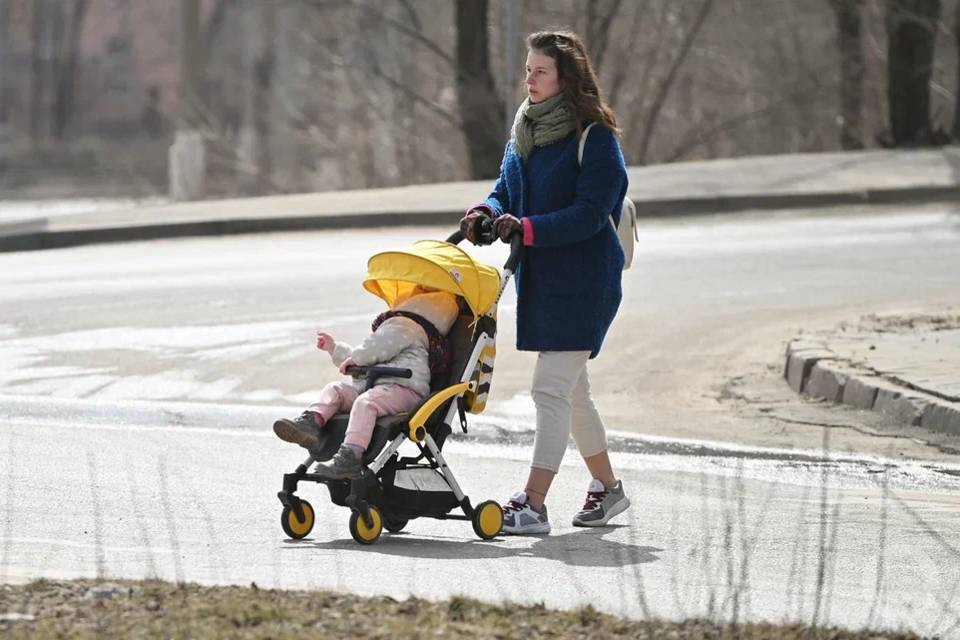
(401, 338)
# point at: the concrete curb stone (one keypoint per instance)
(942, 416)
(802, 355)
(812, 369)
(827, 380)
(861, 391)
(896, 404)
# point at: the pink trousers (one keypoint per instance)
(364, 408)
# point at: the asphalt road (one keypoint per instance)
(138, 382)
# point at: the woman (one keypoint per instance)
(568, 284)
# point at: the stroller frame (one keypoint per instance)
(427, 427)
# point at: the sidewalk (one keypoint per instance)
(760, 182)
(901, 366)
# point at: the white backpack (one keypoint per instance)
(627, 229)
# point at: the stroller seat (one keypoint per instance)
(333, 432)
(460, 340)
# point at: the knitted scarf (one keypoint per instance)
(541, 123)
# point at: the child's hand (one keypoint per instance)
(346, 363)
(325, 342)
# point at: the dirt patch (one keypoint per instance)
(904, 323)
(153, 609)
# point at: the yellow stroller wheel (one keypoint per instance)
(294, 527)
(361, 532)
(487, 519)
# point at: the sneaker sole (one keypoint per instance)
(528, 530)
(617, 509)
(287, 432)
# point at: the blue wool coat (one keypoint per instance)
(568, 283)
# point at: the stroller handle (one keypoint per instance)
(483, 231)
(378, 371)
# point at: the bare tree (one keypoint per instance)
(480, 105)
(849, 17)
(6, 55)
(956, 99)
(911, 32)
(259, 28)
(67, 50)
(39, 55)
(190, 88)
(663, 87)
(600, 17)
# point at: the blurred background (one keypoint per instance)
(211, 98)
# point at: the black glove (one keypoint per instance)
(468, 224)
(506, 225)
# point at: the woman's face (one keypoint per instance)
(542, 79)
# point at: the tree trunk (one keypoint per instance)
(264, 68)
(956, 89)
(911, 32)
(188, 157)
(189, 97)
(6, 68)
(259, 26)
(663, 90)
(480, 107)
(68, 53)
(850, 47)
(38, 70)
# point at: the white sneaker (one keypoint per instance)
(519, 518)
(601, 505)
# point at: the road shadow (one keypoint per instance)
(586, 548)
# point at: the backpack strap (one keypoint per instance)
(583, 142)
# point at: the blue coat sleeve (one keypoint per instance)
(499, 198)
(600, 185)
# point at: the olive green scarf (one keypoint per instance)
(541, 123)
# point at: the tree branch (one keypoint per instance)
(414, 34)
(620, 74)
(699, 138)
(601, 34)
(664, 89)
(413, 95)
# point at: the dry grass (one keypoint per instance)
(153, 609)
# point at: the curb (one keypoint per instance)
(34, 240)
(813, 370)
(33, 235)
(743, 202)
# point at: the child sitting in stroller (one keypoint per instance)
(409, 336)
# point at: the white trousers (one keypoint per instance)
(561, 393)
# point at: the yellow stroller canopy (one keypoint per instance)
(394, 275)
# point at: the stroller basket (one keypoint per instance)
(419, 492)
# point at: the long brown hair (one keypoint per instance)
(576, 75)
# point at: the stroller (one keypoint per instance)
(393, 490)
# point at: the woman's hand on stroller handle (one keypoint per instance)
(480, 229)
(477, 228)
(488, 236)
(506, 226)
